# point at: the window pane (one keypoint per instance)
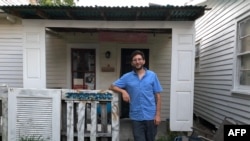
(245, 27)
(245, 44)
(197, 64)
(245, 77)
(197, 50)
(245, 70)
(245, 62)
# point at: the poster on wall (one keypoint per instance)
(90, 80)
(78, 83)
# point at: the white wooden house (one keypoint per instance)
(222, 73)
(40, 47)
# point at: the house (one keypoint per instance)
(222, 82)
(88, 48)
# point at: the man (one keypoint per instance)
(141, 88)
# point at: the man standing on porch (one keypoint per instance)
(141, 88)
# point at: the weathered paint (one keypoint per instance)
(93, 97)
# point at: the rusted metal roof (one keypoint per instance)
(150, 13)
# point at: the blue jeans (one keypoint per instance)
(144, 130)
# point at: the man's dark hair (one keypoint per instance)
(137, 52)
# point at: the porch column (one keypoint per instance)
(34, 75)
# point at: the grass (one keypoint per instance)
(31, 138)
(170, 136)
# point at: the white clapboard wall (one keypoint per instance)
(34, 112)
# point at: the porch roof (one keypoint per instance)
(149, 13)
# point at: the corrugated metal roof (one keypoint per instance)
(150, 13)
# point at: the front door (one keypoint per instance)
(126, 67)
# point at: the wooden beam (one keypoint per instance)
(68, 13)
(168, 15)
(103, 15)
(41, 14)
(138, 13)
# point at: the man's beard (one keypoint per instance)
(137, 69)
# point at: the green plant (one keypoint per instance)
(170, 136)
(31, 138)
(162, 138)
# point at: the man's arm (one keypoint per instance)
(158, 109)
(124, 93)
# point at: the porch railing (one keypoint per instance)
(93, 117)
(85, 115)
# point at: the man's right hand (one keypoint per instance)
(125, 96)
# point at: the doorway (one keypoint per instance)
(126, 67)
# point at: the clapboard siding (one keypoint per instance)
(215, 22)
(11, 56)
(56, 62)
(217, 64)
(221, 82)
(160, 62)
(213, 83)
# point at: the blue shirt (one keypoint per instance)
(142, 94)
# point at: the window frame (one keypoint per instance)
(197, 57)
(237, 87)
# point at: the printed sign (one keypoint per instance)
(236, 132)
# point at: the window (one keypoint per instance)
(243, 55)
(197, 57)
(83, 68)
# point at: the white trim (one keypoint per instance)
(246, 92)
(110, 24)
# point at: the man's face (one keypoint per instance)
(138, 62)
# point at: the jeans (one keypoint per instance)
(144, 130)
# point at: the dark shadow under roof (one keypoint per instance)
(150, 13)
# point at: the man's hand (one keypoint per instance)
(158, 109)
(125, 96)
(157, 120)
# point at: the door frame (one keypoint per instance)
(82, 46)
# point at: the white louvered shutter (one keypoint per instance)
(34, 113)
